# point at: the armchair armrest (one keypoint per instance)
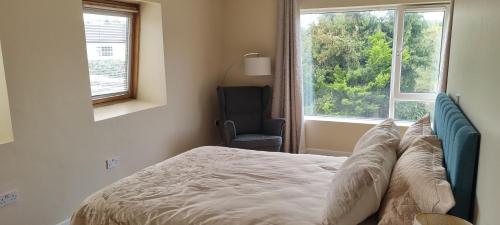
(274, 126)
(229, 131)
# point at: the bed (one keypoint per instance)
(460, 141)
(216, 185)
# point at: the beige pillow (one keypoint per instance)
(359, 185)
(385, 132)
(418, 184)
(420, 128)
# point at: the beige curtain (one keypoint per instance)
(443, 86)
(287, 94)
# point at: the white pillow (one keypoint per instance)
(420, 128)
(418, 184)
(385, 132)
(360, 184)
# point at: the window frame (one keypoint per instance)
(398, 47)
(133, 12)
(395, 85)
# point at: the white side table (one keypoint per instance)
(438, 219)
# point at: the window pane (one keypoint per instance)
(421, 57)
(346, 60)
(108, 53)
(412, 111)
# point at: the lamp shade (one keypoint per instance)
(258, 66)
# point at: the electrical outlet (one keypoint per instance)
(112, 163)
(8, 198)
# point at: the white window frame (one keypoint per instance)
(396, 94)
(400, 10)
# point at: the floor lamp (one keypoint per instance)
(255, 65)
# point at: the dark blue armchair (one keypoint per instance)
(245, 121)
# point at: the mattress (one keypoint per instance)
(217, 186)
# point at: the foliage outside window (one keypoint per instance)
(352, 67)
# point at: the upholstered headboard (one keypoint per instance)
(461, 150)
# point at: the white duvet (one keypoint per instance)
(217, 186)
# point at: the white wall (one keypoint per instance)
(339, 136)
(151, 87)
(475, 76)
(250, 26)
(58, 155)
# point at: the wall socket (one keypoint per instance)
(8, 198)
(112, 163)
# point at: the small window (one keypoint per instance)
(105, 51)
(373, 63)
(111, 32)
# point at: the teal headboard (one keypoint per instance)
(461, 150)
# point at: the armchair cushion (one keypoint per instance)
(243, 105)
(256, 141)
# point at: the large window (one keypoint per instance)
(374, 63)
(111, 33)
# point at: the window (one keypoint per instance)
(105, 51)
(111, 32)
(374, 63)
